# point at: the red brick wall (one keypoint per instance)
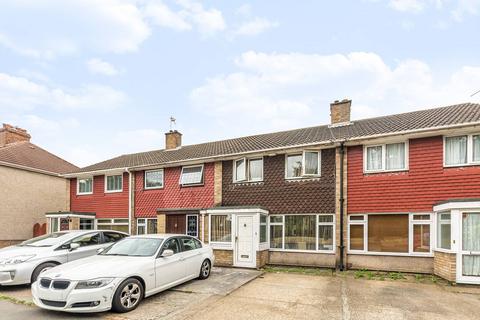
(105, 205)
(173, 195)
(281, 196)
(416, 190)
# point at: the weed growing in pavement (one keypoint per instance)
(15, 300)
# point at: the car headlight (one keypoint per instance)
(16, 259)
(93, 283)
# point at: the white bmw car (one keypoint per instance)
(122, 275)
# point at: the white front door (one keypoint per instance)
(244, 244)
(468, 260)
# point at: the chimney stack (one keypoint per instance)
(173, 140)
(340, 112)
(10, 134)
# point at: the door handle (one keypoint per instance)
(181, 259)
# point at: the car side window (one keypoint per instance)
(198, 244)
(109, 237)
(172, 244)
(188, 243)
(89, 239)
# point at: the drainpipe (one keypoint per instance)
(342, 201)
(130, 192)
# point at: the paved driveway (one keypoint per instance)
(165, 305)
(290, 296)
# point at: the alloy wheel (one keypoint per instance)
(130, 295)
(205, 268)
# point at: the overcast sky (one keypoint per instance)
(93, 79)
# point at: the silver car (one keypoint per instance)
(22, 263)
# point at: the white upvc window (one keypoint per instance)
(397, 234)
(114, 183)
(302, 232)
(444, 231)
(248, 170)
(84, 186)
(191, 175)
(385, 157)
(113, 224)
(154, 179)
(146, 226)
(304, 164)
(461, 150)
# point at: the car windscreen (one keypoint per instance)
(135, 247)
(46, 240)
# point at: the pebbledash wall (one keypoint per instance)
(173, 195)
(280, 196)
(105, 205)
(416, 190)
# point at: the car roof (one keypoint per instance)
(160, 235)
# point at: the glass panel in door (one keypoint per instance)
(471, 244)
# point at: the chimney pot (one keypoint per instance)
(173, 140)
(10, 134)
(340, 111)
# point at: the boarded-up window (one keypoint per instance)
(388, 233)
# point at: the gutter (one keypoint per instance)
(130, 193)
(17, 166)
(342, 210)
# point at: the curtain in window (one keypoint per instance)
(294, 166)
(221, 228)
(476, 148)
(325, 237)
(256, 169)
(276, 236)
(192, 175)
(154, 179)
(395, 156)
(240, 170)
(300, 232)
(388, 233)
(471, 242)
(456, 150)
(311, 162)
(374, 158)
(152, 226)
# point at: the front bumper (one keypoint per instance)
(16, 274)
(72, 300)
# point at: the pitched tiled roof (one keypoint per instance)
(417, 120)
(26, 154)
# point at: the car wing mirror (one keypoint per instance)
(100, 250)
(167, 253)
(74, 246)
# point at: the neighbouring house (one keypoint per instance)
(30, 185)
(398, 192)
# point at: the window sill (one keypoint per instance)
(246, 183)
(303, 251)
(444, 250)
(114, 191)
(85, 194)
(156, 188)
(470, 164)
(385, 171)
(304, 178)
(192, 185)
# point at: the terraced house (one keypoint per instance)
(398, 192)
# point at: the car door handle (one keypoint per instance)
(181, 259)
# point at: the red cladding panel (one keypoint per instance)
(105, 205)
(418, 189)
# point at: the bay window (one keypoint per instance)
(462, 150)
(114, 183)
(84, 186)
(154, 179)
(402, 234)
(221, 228)
(386, 157)
(304, 164)
(191, 175)
(296, 232)
(248, 170)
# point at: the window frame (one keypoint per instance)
(201, 183)
(303, 175)
(470, 160)
(186, 225)
(317, 224)
(78, 186)
(438, 221)
(106, 183)
(411, 223)
(384, 157)
(267, 232)
(247, 169)
(145, 225)
(113, 222)
(220, 244)
(145, 179)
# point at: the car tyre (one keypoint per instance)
(205, 269)
(128, 296)
(41, 268)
